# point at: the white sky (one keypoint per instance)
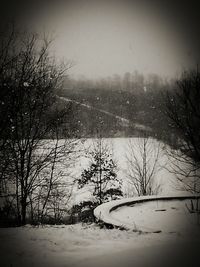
(107, 37)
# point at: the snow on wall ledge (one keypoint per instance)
(103, 212)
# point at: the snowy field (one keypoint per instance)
(71, 169)
(119, 148)
(88, 245)
(81, 246)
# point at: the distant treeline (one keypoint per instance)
(138, 99)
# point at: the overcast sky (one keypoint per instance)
(113, 36)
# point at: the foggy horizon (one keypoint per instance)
(107, 38)
(103, 38)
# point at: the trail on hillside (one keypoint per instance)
(123, 121)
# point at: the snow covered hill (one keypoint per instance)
(122, 121)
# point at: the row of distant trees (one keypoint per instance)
(140, 100)
(134, 81)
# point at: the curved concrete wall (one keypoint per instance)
(103, 211)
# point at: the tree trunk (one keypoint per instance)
(18, 202)
(23, 211)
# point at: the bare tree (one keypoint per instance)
(54, 184)
(142, 165)
(183, 109)
(29, 78)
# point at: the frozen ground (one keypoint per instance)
(81, 246)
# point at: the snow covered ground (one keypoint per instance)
(88, 245)
(119, 148)
(82, 245)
